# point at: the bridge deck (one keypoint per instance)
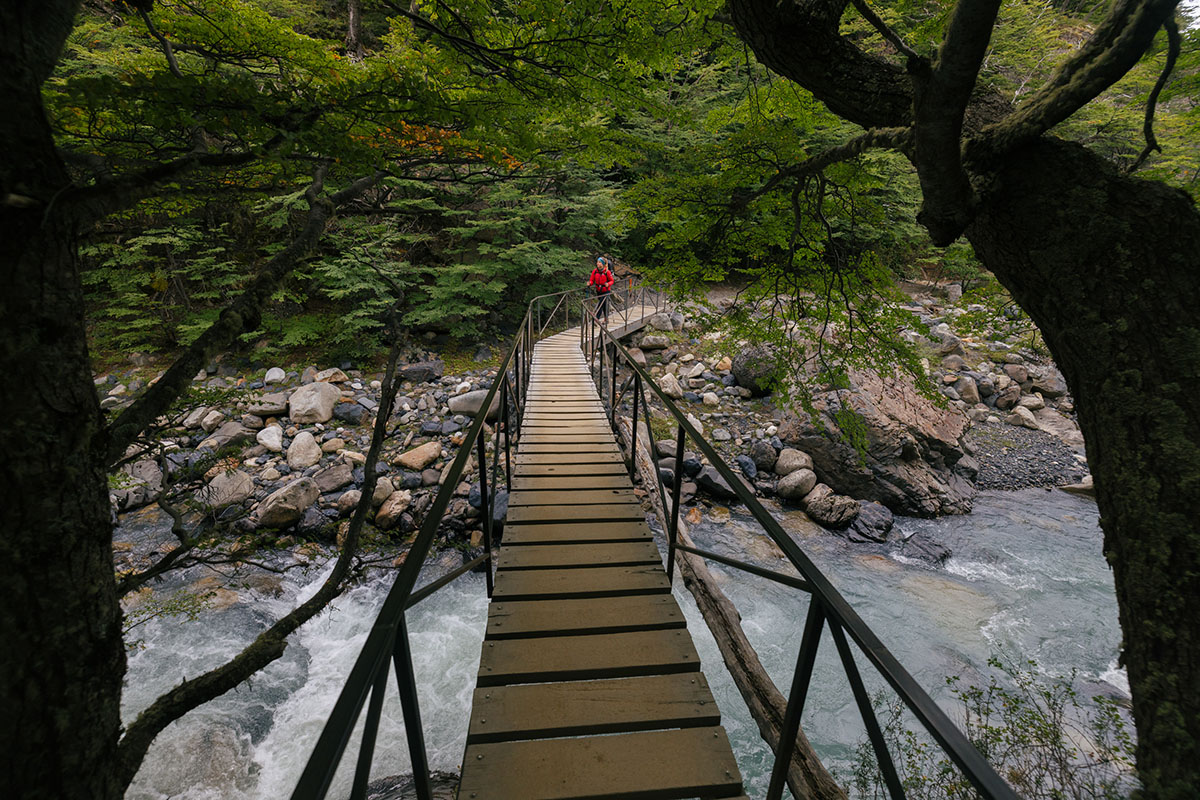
(589, 685)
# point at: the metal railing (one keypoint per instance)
(606, 357)
(387, 647)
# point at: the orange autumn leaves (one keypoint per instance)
(408, 140)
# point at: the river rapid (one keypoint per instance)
(1026, 581)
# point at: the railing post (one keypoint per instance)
(413, 731)
(637, 387)
(795, 707)
(366, 750)
(676, 492)
(481, 455)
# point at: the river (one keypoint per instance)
(1026, 581)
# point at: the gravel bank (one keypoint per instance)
(1018, 458)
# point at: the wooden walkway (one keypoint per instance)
(589, 684)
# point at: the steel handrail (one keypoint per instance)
(828, 604)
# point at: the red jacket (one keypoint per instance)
(602, 279)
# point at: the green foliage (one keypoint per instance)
(1037, 733)
(150, 605)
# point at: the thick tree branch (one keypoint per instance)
(1108, 55)
(940, 106)
(800, 41)
(172, 64)
(916, 61)
(271, 643)
(1173, 47)
(241, 316)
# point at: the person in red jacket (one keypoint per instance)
(602, 281)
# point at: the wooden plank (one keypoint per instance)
(568, 470)
(552, 584)
(569, 483)
(603, 512)
(577, 556)
(573, 532)
(567, 447)
(571, 658)
(521, 619)
(690, 762)
(568, 436)
(580, 708)
(568, 458)
(538, 497)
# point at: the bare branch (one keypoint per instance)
(172, 64)
(916, 61)
(1173, 47)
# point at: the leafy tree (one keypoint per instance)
(1102, 260)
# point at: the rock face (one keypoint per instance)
(287, 505)
(711, 481)
(753, 367)
(421, 457)
(313, 402)
(912, 447)
(873, 524)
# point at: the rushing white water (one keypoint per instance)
(1027, 580)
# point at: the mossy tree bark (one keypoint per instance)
(1109, 269)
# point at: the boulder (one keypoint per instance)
(422, 371)
(227, 434)
(1017, 372)
(286, 506)
(754, 367)
(226, 489)
(1008, 397)
(711, 481)
(271, 437)
(747, 466)
(350, 412)
(954, 363)
(1032, 401)
(660, 322)
(334, 375)
(274, 375)
(796, 484)
(654, 341)
(790, 460)
(724, 365)
(638, 356)
(348, 501)
(272, 404)
(1022, 417)
(873, 524)
(710, 399)
(193, 419)
(389, 513)
(469, 403)
(919, 546)
(911, 448)
(1051, 386)
(333, 445)
(670, 386)
(830, 510)
(303, 451)
(421, 457)
(1055, 424)
(763, 455)
(212, 420)
(333, 478)
(967, 390)
(383, 490)
(313, 402)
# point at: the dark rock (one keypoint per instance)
(450, 426)
(754, 368)
(728, 379)
(666, 475)
(691, 466)
(665, 448)
(922, 548)
(350, 412)
(409, 480)
(691, 397)
(430, 428)
(422, 371)
(777, 443)
(312, 523)
(430, 477)
(764, 455)
(831, 510)
(711, 481)
(748, 467)
(873, 524)
(1008, 398)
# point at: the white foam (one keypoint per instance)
(1116, 677)
(978, 570)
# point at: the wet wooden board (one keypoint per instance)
(550, 584)
(569, 532)
(609, 554)
(575, 513)
(563, 447)
(514, 619)
(581, 708)
(690, 762)
(615, 467)
(527, 497)
(529, 459)
(571, 658)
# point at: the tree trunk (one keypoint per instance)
(63, 657)
(1109, 269)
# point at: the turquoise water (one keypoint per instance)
(1026, 580)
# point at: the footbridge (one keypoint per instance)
(589, 684)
